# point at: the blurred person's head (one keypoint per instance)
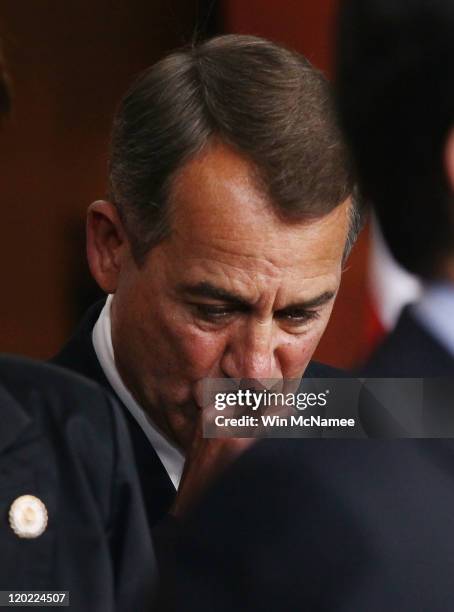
(396, 100)
(230, 215)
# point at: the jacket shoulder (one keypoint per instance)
(78, 354)
(408, 351)
(55, 394)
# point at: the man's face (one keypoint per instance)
(234, 291)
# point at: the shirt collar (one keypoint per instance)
(170, 456)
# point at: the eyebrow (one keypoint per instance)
(319, 300)
(207, 290)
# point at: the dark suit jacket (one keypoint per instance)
(158, 490)
(64, 441)
(324, 525)
(409, 351)
(79, 355)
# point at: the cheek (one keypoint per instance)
(196, 353)
(297, 352)
(295, 355)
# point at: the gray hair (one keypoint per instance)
(261, 99)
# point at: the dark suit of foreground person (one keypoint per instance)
(397, 107)
(81, 527)
(326, 526)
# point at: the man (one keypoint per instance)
(398, 116)
(221, 245)
(72, 517)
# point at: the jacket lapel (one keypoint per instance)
(14, 419)
(79, 355)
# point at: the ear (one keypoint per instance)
(449, 159)
(107, 244)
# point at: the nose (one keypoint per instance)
(251, 350)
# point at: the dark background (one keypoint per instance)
(71, 61)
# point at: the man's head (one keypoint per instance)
(229, 218)
(396, 100)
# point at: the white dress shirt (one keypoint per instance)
(435, 311)
(171, 457)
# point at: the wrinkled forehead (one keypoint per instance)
(217, 205)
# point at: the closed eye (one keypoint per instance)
(221, 313)
(216, 312)
(297, 316)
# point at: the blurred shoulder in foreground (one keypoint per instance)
(324, 525)
(73, 518)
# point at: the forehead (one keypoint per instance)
(218, 208)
